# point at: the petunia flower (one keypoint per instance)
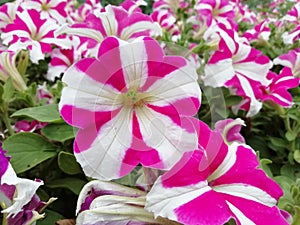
(238, 66)
(8, 69)
(113, 21)
(261, 32)
(20, 204)
(216, 11)
(277, 91)
(106, 203)
(54, 9)
(216, 183)
(293, 15)
(132, 6)
(290, 60)
(30, 31)
(128, 105)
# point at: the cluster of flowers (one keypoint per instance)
(135, 105)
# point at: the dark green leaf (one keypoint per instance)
(68, 164)
(73, 184)
(59, 132)
(28, 150)
(46, 113)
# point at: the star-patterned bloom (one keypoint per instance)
(215, 183)
(131, 109)
(30, 31)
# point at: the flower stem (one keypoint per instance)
(296, 217)
(7, 123)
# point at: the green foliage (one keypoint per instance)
(59, 132)
(28, 150)
(46, 113)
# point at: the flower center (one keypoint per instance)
(45, 7)
(134, 99)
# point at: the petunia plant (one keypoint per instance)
(149, 112)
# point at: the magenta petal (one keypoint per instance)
(245, 171)
(258, 213)
(207, 209)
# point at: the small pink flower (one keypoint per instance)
(26, 126)
(29, 31)
(113, 21)
(293, 16)
(238, 66)
(167, 21)
(129, 109)
(260, 32)
(54, 9)
(215, 183)
(277, 91)
(216, 11)
(132, 6)
(290, 60)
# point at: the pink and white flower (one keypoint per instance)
(113, 21)
(293, 16)
(216, 11)
(7, 14)
(238, 66)
(261, 32)
(17, 195)
(277, 91)
(30, 31)
(215, 183)
(290, 60)
(54, 9)
(130, 109)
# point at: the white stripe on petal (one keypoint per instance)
(28, 21)
(161, 133)
(227, 163)
(247, 191)
(162, 201)
(240, 216)
(134, 63)
(103, 159)
(179, 84)
(139, 27)
(255, 105)
(84, 92)
(217, 74)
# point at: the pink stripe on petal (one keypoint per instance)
(82, 118)
(245, 171)
(188, 164)
(258, 213)
(207, 209)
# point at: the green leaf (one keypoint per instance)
(59, 132)
(68, 164)
(51, 218)
(28, 150)
(73, 184)
(297, 156)
(233, 100)
(8, 90)
(290, 135)
(47, 113)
